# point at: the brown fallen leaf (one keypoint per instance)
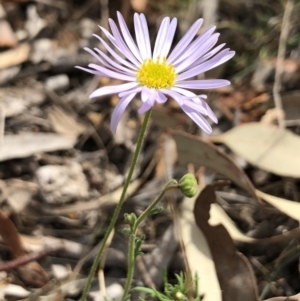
(234, 272)
(10, 235)
(198, 151)
(31, 273)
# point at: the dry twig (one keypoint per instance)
(285, 27)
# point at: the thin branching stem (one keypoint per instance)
(172, 184)
(118, 207)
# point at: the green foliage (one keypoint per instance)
(176, 292)
(138, 243)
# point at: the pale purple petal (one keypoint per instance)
(185, 41)
(198, 119)
(112, 74)
(211, 114)
(197, 52)
(90, 51)
(176, 96)
(145, 94)
(125, 93)
(95, 72)
(142, 37)
(108, 35)
(161, 98)
(203, 84)
(169, 38)
(207, 56)
(114, 64)
(192, 109)
(220, 58)
(114, 54)
(113, 89)
(195, 48)
(120, 44)
(199, 107)
(119, 110)
(188, 95)
(161, 37)
(128, 38)
(146, 33)
(148, 104)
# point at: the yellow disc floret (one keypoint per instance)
(156, 75)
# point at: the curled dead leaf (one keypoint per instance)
(234, 272)
(200, 152)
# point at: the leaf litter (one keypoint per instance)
(61, 169)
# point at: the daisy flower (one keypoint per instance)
(160, 73)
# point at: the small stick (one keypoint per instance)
(102, 265)
(285, 27)
(15, 263)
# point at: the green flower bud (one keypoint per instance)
(188, 185)
(130, 218)
(126, 231)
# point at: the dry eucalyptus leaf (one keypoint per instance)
(234, 272)
(219, 217)
(41, 243)
(195, 150)
(64, 123)
(16, 100)
(166, 118)
(14, 56)
(60, 184)
(290, 208)
(291, 105)
(267, 147)
(7, 36)
(289, 298)
(110, 198)
(18, 193)
(197, 251)
(13, 291)
(166, 155)
(25, 145)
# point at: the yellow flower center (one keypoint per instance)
(157, 75)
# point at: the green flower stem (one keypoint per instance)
(170, 185)
(118, 207)
(131, 250)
